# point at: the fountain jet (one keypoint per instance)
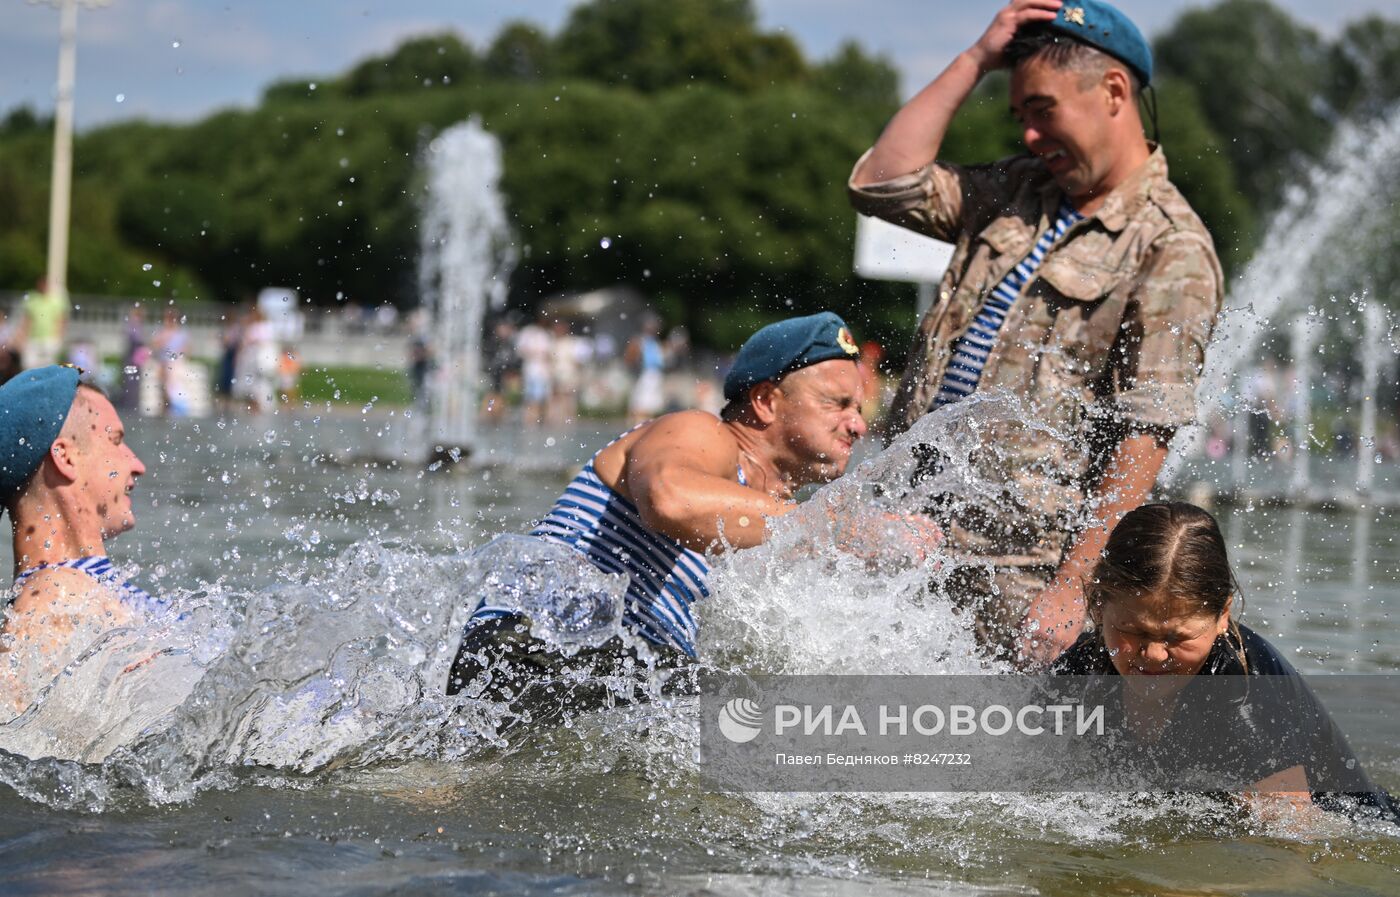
(465, 264)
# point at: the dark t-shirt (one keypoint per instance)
(1256, 732)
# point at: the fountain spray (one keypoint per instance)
(465, 264)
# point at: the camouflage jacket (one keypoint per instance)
(1107, 337)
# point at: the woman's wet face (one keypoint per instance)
(1151, 635)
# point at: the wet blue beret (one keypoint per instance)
(1104, 27)
(33, 406)
(782, 348)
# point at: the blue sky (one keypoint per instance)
(179, 59)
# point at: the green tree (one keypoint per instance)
(1257, 75)
(24, 120)
(1365, 64)
(655, 44)
(521, 52)
(859, 77)
(429, 61)
(1200, 167)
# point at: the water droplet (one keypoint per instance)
(121, 98)
(146, 267)
(174, 45)
(606, 242)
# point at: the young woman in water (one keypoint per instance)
(1162, 602)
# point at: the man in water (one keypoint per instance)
(1082, 282)
(655, 499)
(66, 475)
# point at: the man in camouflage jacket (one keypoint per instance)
(1104, 339)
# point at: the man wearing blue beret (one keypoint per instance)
(66, 475)
(1081, 283)
(656, 499)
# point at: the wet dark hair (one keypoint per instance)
(1172, 549)
(1063, 52)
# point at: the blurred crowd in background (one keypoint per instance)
(549, 369)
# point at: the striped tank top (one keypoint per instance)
(971, 350)
(665, 577)
(101, 568)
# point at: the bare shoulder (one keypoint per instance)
(698, 424)
(694, 439)
(688, 431)
(61, 590)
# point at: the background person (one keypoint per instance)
(134, 358)
(647, 357)
(1082, 282)
(171, 344)
(566, 374)
(420, 353)
(43, 326)
(535, 349)
(258, 362)
(230, 338)
(501, 364)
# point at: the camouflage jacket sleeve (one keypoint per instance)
(1166, 326)
(941, 200)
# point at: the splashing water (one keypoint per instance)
(1309, 240)
(882, 603)
(336, 681)
(344, 670)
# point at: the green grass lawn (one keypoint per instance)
(356, 386)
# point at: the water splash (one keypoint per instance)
(345, 670)
(849, 582)
(337, 679)
(1309, 240)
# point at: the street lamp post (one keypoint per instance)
(61, 186)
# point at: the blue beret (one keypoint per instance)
(33, 406)
(1104, 27)
(782, 348)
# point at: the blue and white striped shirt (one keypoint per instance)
(665, 577)
(101, 568)
(970, 351)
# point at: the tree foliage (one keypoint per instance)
(1259, 77)
(710, 154)
(657, 44)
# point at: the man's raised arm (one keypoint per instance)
(913, 137)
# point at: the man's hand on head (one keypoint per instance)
(989, 51)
